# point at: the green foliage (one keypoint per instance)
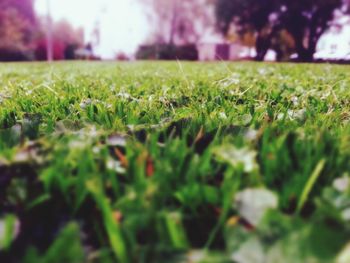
(66, 248)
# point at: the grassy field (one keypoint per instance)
(174, 162)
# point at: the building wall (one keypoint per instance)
(211, 52)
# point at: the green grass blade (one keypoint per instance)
(309, 184)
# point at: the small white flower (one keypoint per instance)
(298, 114)
(29, 92)
(196, 256)
(96, 150)
(262, 71)
(253, 203)
(233, 81)
(77, 144)
(345, 214)
(293, 115)
(22, 156)
(341, 184)
(116, 140)
(344, 256)
(250, 251)
(251, 135)
(124, 95)
(85, 103)
(222, 115)
(115, 166)
(235, 157)
(295, 100)
(280, 116)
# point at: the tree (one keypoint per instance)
(283, 44)
(304, 20)
(17, 24)
(71, 38)
(248, 16)
(24, 7)
(66, 40)
(178, 22)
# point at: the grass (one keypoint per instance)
(174, 162)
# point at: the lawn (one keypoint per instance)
(174, 162)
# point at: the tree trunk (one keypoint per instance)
(173, 23)
(262, 45)
(306, 54)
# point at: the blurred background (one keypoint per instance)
(205, 30)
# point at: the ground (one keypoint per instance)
(174, 162)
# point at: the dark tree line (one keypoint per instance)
(304, 20)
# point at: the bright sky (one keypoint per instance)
(122, 23)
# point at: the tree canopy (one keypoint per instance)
(17, 21)
(23, 34)
(173, 20)
(304, 20)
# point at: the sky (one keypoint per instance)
(123, 24)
